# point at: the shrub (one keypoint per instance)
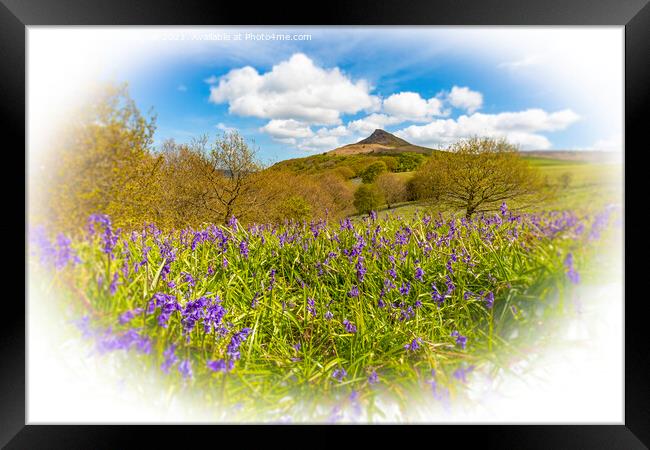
(367, 198)
(407, 162)
(392, 187)
(370, 173)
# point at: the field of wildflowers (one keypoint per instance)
(265, 316)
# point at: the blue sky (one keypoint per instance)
(542, 89)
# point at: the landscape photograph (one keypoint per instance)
(325, 224)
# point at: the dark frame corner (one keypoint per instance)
(16, 15)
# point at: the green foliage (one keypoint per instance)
(345, 172)
(295, 208)
(367, 198)
(479, 174)
(407, 162)
(102, 163)
(370, 173)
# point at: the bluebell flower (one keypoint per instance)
(460, 339)
(243, 248)
(218, 365)
(413, 345)
(572, 274)
(185, 368)
(349, 326)
(339, 374)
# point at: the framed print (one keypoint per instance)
(383, 215)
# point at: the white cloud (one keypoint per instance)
(324, 139)
(319, 143)
(223, 127)
(370, 123)
(465, 98)
(287, 131)
(297, 94)
(294, 89)
(182, 88)
(410, 106)
(518, 127)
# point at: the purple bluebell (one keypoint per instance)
(213, 316)
(113, 286)
(185, 368)
(413, 345)
(127, 316)
(406, 313)
(460, 339)
(572, 274)
(373, 378)
(349, 326)
(489, 299)
(232, 222)
(361, 270)
(243, 248)
(339, 374)
(461, 373)
(354, 292)
(255, 300)
(218, 365)
(272, 280)
(311, 308)
(405, 289)
(419, 274)
(189, 279)
(450, 285)
(235, 341)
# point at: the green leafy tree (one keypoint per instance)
(370, 173)
(367, 198)
(102, 163)
(479, 174)
(407, 162)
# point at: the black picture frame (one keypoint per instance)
(16, 15)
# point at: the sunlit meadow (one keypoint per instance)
(322, 321)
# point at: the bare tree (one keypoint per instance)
(228, 172)
(393, 187)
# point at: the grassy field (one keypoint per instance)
(591, 186)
